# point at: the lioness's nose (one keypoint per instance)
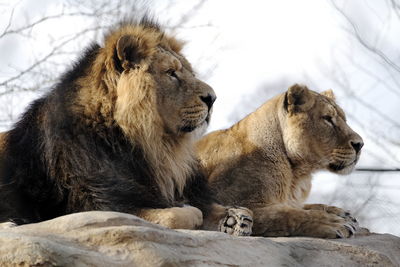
(357, 145)
(209, 100)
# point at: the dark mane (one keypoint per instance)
(147, 21)
(79, 68)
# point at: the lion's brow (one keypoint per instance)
(186, 64)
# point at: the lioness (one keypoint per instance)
(265, 162)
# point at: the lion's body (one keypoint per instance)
(117, 134)
(265, 162)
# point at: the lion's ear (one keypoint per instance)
(329, 94)
(298, 98)
(130, 50)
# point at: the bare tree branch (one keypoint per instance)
(356, 32)
(43, 59)
(377, 170)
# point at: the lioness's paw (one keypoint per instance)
(350, 220)
(238, 222)
(346, 215)
(345, 230)
(335, 226)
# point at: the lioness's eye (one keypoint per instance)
(328, 119)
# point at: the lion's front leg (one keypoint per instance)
(284, 220)
(237, 221)
(186, 217)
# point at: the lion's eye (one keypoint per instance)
(328, 119)
(172, 73)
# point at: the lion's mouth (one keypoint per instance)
(190, 127)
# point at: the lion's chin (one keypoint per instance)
(197, 126)
(188, 128)
(196, 131)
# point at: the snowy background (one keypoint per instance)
(248, 51)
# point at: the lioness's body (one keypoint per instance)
(265, 162)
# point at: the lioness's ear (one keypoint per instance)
(298, 98)
(329, 93)
(130, 50)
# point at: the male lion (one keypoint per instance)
(265, 162)
(116, 133)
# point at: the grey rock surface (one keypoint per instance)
(118, 239)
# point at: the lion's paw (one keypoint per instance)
(186, 217)
(237, 222)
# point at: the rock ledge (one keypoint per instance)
(118, 239)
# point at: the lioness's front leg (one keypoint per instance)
(236, 221)
(284, 220)
(186, 217)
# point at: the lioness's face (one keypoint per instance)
(184, 102)
(321, 128)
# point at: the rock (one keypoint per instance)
(117, 239)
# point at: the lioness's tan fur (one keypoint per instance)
(265, 162)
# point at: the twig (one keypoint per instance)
(377, 170)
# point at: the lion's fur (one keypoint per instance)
(114, 134)
(265, 161)
(132, 92)
(2, 136)
(172, 160)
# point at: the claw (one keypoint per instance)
(351, 229)
(339, 234)
(354, 225)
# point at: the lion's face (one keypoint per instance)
(317, 130)
(159, 81)
(184, 102)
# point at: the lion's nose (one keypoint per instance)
(209, 100)
(357, 145)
